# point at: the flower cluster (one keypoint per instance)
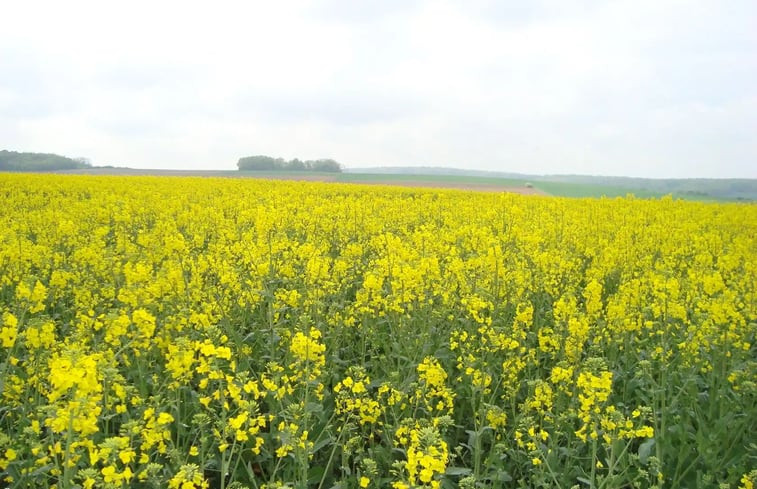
(194, 333)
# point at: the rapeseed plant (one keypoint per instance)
(207, 333)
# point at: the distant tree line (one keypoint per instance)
(268, 163)
(15, 161)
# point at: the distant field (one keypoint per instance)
(463, 182)
(441, 179)
(587, 190)
(579, 190)
(487, 184)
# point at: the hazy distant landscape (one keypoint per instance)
(589, 185)
(327, 170)
(556, 185)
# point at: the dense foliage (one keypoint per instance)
(14, 161)
(190, 333)
(268, 163)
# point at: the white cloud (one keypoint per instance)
(615, 87)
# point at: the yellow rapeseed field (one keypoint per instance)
(218, 333)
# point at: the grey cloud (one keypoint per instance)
(365, 11)
(614, 87)
(349, 107)
(519, 13)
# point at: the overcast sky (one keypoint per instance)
(650, 88)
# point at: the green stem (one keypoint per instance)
(614, 461)
(593, 463)
(331, 455)
(477, 440)
(66, 483)
(552, 473)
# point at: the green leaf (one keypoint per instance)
(326, 441)
(503, 476)
(645, 449)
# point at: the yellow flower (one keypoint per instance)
(9, 330)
